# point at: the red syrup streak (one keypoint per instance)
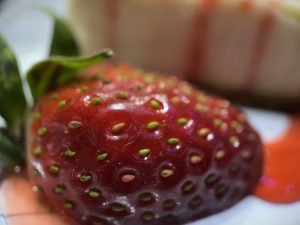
(263, 35)
(281, 180)
(198, 39)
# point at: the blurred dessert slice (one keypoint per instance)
(250, 46)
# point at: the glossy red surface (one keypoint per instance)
(201, 157)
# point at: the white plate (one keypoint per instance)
(29, 31)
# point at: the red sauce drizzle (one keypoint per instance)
(263, 35)
(112, 15)
(281, 180)
(198, 38)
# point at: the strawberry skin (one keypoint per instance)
(122, 146)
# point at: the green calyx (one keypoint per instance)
(12, 98)
(11, 155)
(63, 67)
(42, 78)
(13, 110)
(58, 71)
(63, 40)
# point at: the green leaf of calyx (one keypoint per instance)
(63, 41)
(57, 71)
(13, 104)
(11, 155)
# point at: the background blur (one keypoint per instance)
(27, 29)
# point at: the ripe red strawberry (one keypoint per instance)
(127, 147)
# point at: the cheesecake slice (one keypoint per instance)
(230, 45)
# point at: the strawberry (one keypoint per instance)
(121, 146)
